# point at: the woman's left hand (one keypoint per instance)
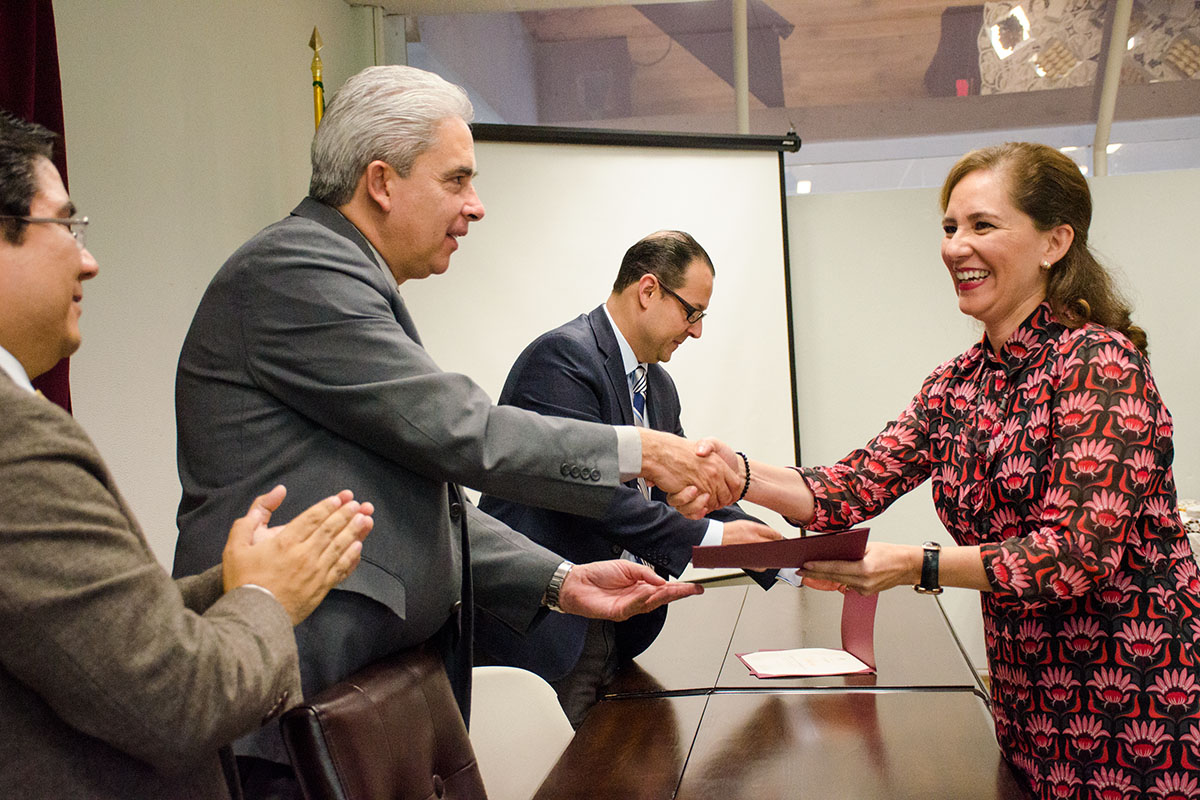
(883, 566)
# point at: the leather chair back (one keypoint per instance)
(392, 731)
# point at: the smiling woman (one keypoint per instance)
(1048, 450)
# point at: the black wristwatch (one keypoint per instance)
(929, 570)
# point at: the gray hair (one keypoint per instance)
(389, 114)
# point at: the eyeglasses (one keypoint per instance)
(76, 225)
(694, 314)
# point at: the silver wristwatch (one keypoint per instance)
(550, 599)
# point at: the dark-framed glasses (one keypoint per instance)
(694, 314)
(76, 225)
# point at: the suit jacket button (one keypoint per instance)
(585, 473)
(455, 510)
(595, 474)
(616, 549)
(565, 469)
(575, 472)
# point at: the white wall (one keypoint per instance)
(559, 219)
(187, 129)
(875, 312)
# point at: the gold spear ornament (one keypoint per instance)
(318, 87)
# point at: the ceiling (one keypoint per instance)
(419, 7)
(835, 69)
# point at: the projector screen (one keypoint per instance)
(560, 217)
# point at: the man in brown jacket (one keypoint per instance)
(115, 680)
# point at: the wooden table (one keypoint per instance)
(820, 743)
(696, 651)
(687, 720)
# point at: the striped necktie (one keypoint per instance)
(637, 381)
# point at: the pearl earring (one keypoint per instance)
(1045, 265)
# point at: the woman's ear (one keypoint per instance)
(1058, 242)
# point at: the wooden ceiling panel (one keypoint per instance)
(840, 51)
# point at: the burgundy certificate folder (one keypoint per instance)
(847, 545)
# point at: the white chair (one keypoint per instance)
(518, 730)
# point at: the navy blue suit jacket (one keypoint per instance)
(576, 371)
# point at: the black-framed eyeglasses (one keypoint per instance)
(76, 225)
(694, 314)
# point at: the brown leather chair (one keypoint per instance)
(392, 731)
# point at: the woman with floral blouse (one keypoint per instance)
(1049, 451)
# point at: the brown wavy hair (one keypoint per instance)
(1048, 187)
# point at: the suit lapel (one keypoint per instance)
(614, 368)
(333, 219)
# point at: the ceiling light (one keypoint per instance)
(1009, 33)
(1112, 148)
(803, 187)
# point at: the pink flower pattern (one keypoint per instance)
(1054, 457)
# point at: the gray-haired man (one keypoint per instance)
(303, 360)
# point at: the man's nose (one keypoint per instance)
(473, 210)
(90, 267)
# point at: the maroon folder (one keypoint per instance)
(847, 545)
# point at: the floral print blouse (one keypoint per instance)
(1054, 456)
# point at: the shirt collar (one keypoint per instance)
(9, 363)
(375, 253)
(628, 360)
(1039, 329)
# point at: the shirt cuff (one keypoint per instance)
(268, 592)
(790, 575)
(715, 533)
(629, 452)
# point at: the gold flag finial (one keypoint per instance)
(318, 87)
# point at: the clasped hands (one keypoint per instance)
(697, 478)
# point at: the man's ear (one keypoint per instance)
(376, 180)
(646, 286)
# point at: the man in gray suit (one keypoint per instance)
(115, 681)
(302, 360)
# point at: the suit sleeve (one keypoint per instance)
(321, 332)
(92, 624)
(510, 573)
(557, 376)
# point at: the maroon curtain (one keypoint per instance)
(30, 88)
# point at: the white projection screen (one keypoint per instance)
(559, 219)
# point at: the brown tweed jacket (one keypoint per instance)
(115, 680)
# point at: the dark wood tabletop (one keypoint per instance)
(819, 743)
(894, 744)
(633, 748)
(697, 648)
(914, 645)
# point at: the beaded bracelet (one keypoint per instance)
(745, 488)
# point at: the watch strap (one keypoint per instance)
(554, 588)
(929, 569)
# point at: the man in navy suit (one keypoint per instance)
(594, 368)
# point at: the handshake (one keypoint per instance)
(698, 477)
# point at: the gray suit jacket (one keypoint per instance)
(115, 681)
(303, 367)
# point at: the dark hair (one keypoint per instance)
(21, 143)
(1048, 187)
(666, 255)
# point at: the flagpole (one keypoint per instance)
(318, 87)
